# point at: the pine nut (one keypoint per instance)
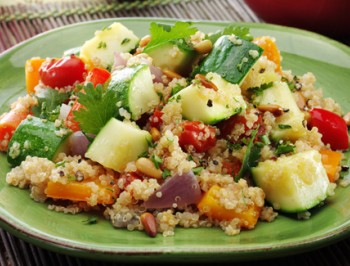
(203, 47)
(275, 109)
(171, 74)
(347, 119)
(300, 99)
(145, 40)
(155, 134)
(149, 223)
(147, 167)
(205, 82)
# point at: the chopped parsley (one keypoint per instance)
(284, 148)
(259, 90)
(61, 163)
(197, 170)
(71, 178)
(91, 220)
(189, 157)
(102, 45)
(106, 28)
(283, 126)
(265, 139)
(143, 154)
(251, 156)
(166, 173)
(150, 143)
(176, 89)
(233, 146)
(125, 41)
(157, 161)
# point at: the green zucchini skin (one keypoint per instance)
(231, 58)
(36, 137)
(134, 89)
(174, 55)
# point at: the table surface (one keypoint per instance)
(20, 21)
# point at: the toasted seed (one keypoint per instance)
(171, 74)
(347, 119)
(147, 167)
(205, 82)
(145, 40)
(300, 100)
(155, 133)
(275, 109)
(149, 223)
(203, 47)
(79, 176)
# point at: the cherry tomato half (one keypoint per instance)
(63, 72)
(332, 127)
(200, 136)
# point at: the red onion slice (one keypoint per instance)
(157, 72)
(176, 191)
(78, 143)
(119, 60)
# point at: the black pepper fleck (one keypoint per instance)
(345, 168)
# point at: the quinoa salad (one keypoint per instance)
(178, 128)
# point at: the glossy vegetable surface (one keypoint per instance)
(200, 136)
(332, 127)
(63, 72)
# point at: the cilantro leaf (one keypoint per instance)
(99, 107)
(251, 156)
(165, 33)
(49, 101)
(241, 32)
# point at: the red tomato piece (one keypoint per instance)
(129, 177)
(231, 167)
(98, 76)
(70, 122)
(8, 124)
(227, 126)
(201, 137)
(332, 127)
(63, 72)
(155, 119)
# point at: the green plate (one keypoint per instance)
(302, 52)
